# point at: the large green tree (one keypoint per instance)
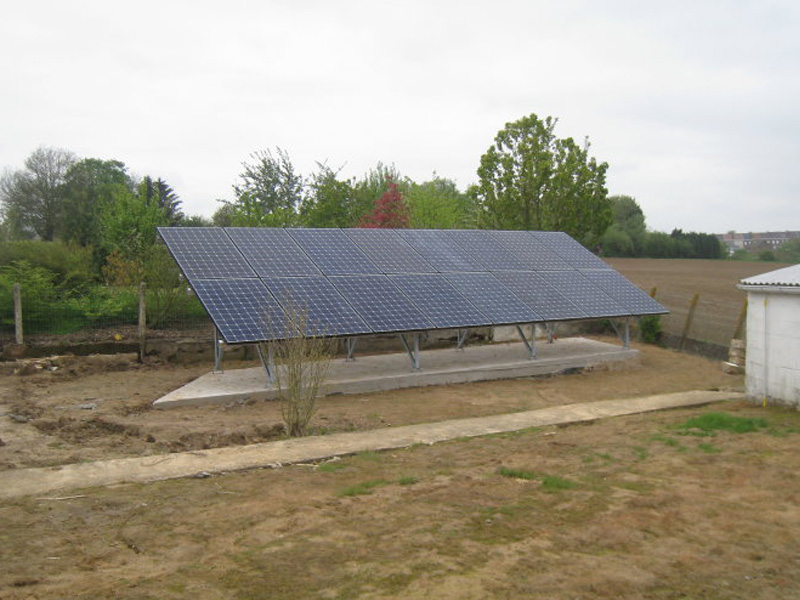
(329, 201)
(269, 192)
(439, 204)
(32, 199)
(531, 179)
(626, 235)
(90, 184)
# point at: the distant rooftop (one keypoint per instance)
(788, 276)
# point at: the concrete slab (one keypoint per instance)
(393, 371)
(25, 482)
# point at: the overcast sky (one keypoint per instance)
(694, 105)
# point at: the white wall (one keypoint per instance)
(773, 346)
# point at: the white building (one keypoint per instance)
(773, 336)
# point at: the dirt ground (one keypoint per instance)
(644, 506)
(76, 409)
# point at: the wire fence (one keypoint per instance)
(114, 314)
(99, 315)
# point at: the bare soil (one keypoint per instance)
(632, 507)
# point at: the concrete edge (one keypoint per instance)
(26, 482)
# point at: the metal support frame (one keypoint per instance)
(623, 331)
(413, 350)
(350, 344)
(218, 351)
(551, 328)
(268, 361)
(529, 344)
(461, 340)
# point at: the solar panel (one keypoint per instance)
(573, 253)
(380, 304)
(582, 292)
(492, 298)
(355, 282)
(332, 251)
(439, 301)
(624, 292)
(439, 250)
(486, 250)
(550, 304)
(326, 312)
(242, 309)
(271, 252)
(525, 247)
(205, 253)
(388, 251)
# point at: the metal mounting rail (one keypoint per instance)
(413, 352)
(529, 344)
(268, 361)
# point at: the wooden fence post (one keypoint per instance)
(142, 321)
(689, 319)
(18, 314)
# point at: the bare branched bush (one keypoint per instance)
(302, 360)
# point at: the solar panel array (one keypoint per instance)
(359, 281)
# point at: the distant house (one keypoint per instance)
(773, 336)
(761, 240)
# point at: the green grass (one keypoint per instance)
(714, 421)
(708, 448)
(331, 467)
(361, 489)
(369, 455)
(408, 480)
(550, 483)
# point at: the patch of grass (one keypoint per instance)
(550, 483)
(408, 480)
(369, 455)
(517, 473)
(640, 452)
(670, 441)
(361, 489)
(331, 467)
(708, 448)
(715, 421)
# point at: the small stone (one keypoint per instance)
(18, 418)
(203, 475)
(88, 406)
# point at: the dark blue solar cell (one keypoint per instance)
(624, 292)
(333, 252)
(272, 252)
(575, 255)
(582, 292)
(440, 301)
(388, 251)
(242, 309)
(546, 301)
(205, 253)
(535, 255)
(440, 250)
(492, 298)
(315, 301)
(380, 304)
(485, 249)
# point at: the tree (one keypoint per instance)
(269, 193)
(89, 185)
(390, 210)
(159, 191)
(789, 251)
(530, 179)
(372, 186)
(330, 201)
(438, 204)
(32, 199)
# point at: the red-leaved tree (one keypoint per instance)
(390, 211)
